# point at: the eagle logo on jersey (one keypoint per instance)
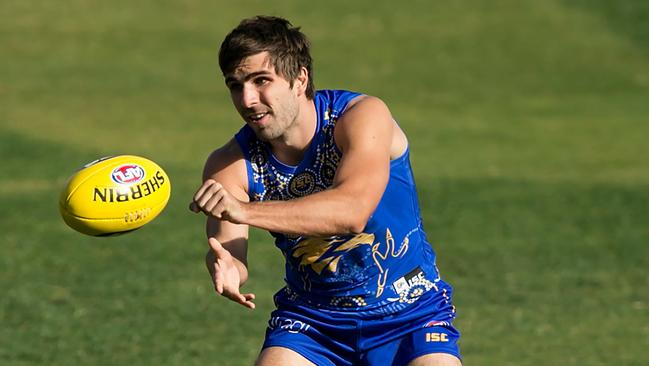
(325, 253)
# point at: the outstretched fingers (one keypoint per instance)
(246, 300)
(223, 263)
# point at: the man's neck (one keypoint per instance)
(291, 147)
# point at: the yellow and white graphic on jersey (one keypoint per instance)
(321, 253)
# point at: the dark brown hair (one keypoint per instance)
(287, 47)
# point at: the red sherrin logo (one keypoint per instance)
(127, 174)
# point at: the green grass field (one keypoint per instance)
(528, 123)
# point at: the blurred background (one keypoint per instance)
(528, 127)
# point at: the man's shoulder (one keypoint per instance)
(365, 116)
(364, 105)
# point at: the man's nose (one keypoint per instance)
(250, 96)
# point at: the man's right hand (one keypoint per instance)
(225, 274)
(213, 199)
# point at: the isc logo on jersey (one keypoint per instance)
(114, 195)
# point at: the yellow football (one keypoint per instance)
(113, 195)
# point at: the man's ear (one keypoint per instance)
(302, 81)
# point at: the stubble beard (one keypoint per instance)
(280, 126)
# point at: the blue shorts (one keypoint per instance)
(327, 337)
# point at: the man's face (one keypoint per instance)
(263, 98)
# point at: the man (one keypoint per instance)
(328, 174)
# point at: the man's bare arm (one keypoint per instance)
(226, 260)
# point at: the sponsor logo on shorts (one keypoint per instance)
(290, 325)
(436, 337)
(437, 323)
(127, 174)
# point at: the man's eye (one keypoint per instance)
(261, 81)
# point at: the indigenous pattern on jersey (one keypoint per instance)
(382, 270)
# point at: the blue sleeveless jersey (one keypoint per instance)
(380, 271)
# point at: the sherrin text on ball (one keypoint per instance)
(114, 195)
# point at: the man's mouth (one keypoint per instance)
(257, 117)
